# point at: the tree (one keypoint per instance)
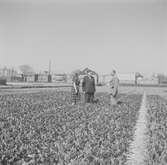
(26, 69)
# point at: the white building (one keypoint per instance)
(123, 78)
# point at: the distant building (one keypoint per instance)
(30, 78)
(59, 78)
(150, 80)
(124, 78)
(127, 78)
(84, 72)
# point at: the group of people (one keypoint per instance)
(89, 88)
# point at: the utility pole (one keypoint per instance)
(49, 76)
(49, 67)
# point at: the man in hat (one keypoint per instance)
(88, 87)
(113, 84)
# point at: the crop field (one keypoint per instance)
(43, 128)
(157, 131)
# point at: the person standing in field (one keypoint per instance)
(75, 93)
(113, 85)
(88, 87)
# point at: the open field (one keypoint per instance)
(40, 126)
(162, 91)
(43, 128)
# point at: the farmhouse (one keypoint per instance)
(59, 78)
(83, 73)
(125, 78)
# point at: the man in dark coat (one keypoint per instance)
(88, 87)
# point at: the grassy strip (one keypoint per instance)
(138, 146)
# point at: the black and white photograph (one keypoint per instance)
(83, 82)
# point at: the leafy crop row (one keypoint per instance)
(43, 128)
(157, 131)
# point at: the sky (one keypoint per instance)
(126, 35)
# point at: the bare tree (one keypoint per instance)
(26, 69)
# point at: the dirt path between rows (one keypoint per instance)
(137, 151)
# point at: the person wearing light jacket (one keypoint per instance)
(113, 85)
(75, 93)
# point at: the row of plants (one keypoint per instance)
(157, 131)
(43, 128)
